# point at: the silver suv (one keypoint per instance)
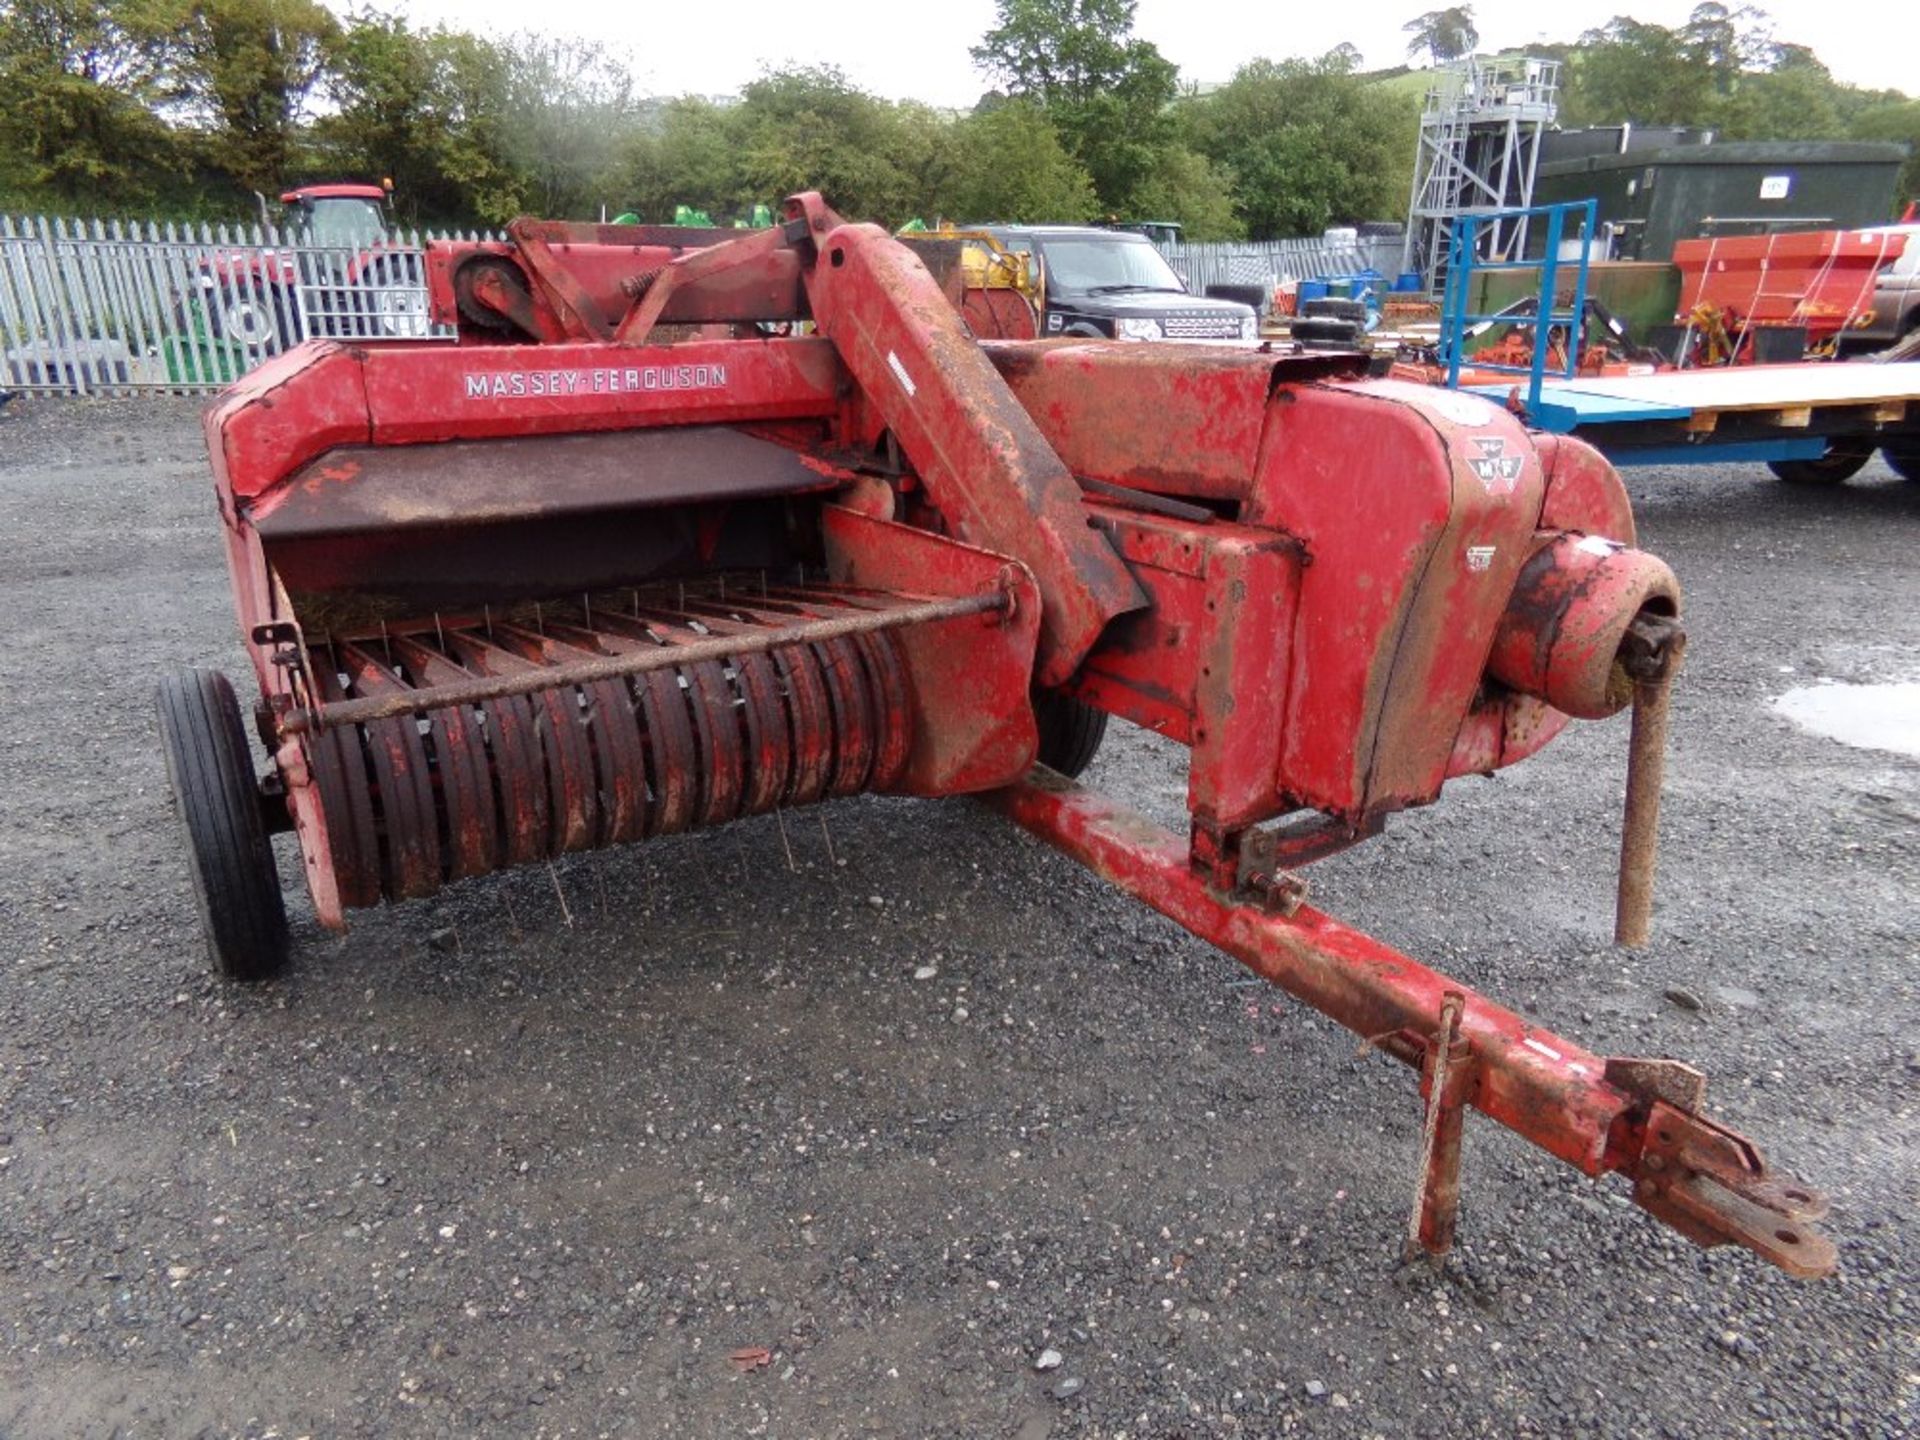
(1896, 294)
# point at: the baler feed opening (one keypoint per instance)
(446, 746)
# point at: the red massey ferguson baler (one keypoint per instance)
(630, 560)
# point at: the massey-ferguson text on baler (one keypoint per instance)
(566, 584)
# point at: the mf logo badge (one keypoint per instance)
(1498, 469)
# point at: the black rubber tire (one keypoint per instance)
(391, 273)
(255, 316)
(1327, 334)
(1330, 308)
(218, 801)
(1841, 463)
(1903, 458)
(1255, 297)
(1070, 732)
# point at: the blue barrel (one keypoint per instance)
(1312, 290)
(1407, 282)
(1340, 287)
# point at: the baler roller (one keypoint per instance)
(491, 742)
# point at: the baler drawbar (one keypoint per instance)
(690, 526)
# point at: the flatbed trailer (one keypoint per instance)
(1786, 415)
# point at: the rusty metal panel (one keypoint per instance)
(1180, 420)
(1416, 507)
(322, 395)
(1584, 491)
(984, 462)
(967, 678)
(364, 488)
(572, 288)
(1243, 648)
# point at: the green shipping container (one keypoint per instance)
(1653, 198)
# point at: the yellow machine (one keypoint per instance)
(1001, 292)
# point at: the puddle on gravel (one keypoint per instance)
(1868, 717)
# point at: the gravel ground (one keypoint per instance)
(543, 1176)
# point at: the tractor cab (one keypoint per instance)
(351, 216)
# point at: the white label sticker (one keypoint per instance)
(1480, 557)
(900, 373)
(615, 380)
(1775, 187)
(1461, 409)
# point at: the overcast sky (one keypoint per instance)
(919, 51)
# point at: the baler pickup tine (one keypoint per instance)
(525, 681)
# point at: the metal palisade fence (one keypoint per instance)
(1264, 262)
(108, 307)
(124, 307)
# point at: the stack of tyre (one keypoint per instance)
(1331, 324)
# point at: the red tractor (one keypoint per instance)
(337, 272)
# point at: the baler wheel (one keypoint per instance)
(1070, 732)
(218, 800)
(1842, 462)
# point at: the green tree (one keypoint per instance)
(1010, 165)
(380, 79)
(1626, 70)
(468, 123)
(810, 128)
(681, 153)
(1444, 34)
(1721, 43)
(1186, 186)
(75, 127)
(1795, 99)
(1895, 118)
(1106, 91)
(569, 103)
(245, 69)
(1308, 144)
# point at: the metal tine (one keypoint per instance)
(772, 613)
(817, 601)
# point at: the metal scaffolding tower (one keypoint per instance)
(1480, 135)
